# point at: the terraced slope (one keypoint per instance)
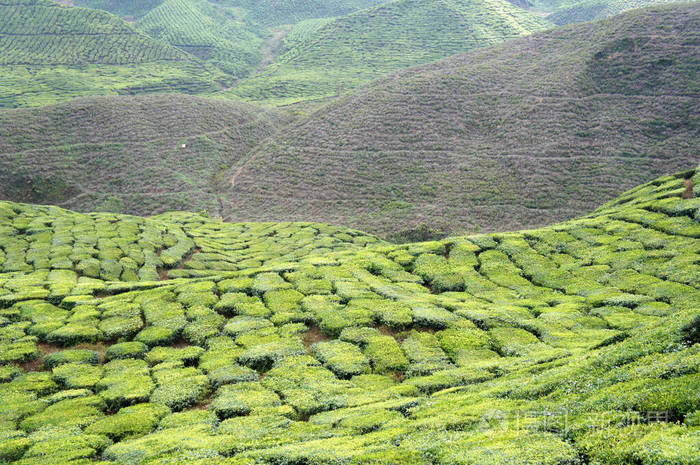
(339, 55)
(52, 53)
(272, 13)
(220, 36)
(537, 130)
(267, 13)
(144, 154)
(125, 8)
(304, 343)
(589, 10)
(228, 34)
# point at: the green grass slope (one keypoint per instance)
(142, 154)
(53, 53)
(523, 134)
(339, 55)
(179, 339)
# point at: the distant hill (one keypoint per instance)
(568, 12)
(327, 58)
(232, 35)
(518, 135)
(51, 53)
(142, 154)
(217, 35)
(279, 12)
(268, 13)
(124, 8)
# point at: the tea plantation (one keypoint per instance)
(52, 53)
(180, 339)
(334, 57)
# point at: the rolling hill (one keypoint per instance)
(53, 53)
(274, 13)
(591, 10)
(214, 34)
(180, 339)
(518, 135)
(562, 12)
(142, 154)
(232, 35)
(330, 57)
(266, 13)
(125, 8)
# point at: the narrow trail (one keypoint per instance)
(688, 193)
(270, 48)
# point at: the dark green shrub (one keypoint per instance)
(242, 399)
(78, 412)
(126, 350)
(77, 375)
(72, 356)
(155, 336)
(231, 374)
(130, 421)
(342, 358)
(180, 388)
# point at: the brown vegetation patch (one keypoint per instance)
(688, 193)
(314, 335)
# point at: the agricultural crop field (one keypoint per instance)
(568, 12)
(182, 339)
(53, 53)
(354, 49)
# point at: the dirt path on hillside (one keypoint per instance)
(270, 48)
(688, 193)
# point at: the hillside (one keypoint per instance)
(179, 339)
(231, 35)
(589, 10)
(336, 56)
(125, 8)
(141, 154)
(272, 13)
(53, 53)
(215, 34)
(266, 13)
(534, 131)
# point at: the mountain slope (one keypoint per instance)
(51, 53)
(273, 13)
(228, 34)
(515, 136)
(567, 11)
(124, 8)
(341, 54)
(133, 154)
(308, 344)
(212, 33)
